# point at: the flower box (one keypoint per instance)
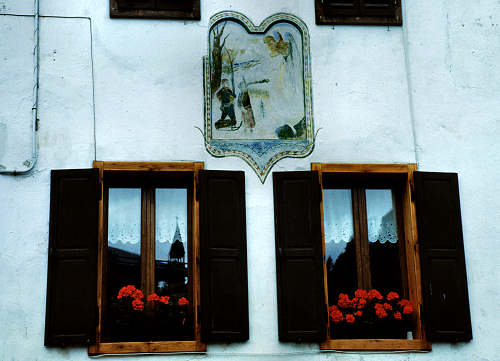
(157, 319)
(369, 315)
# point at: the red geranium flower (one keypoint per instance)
(183, 301)
(335, 314)
(358, 313)
(392, 296)
(164, 299)
(349, 318)
(137, 304)
(387, 306)
(137, 294)
(361, 293)
(403, 302)
(153, 297)
(126, 291)
(406, 305)
(397, 315)
(380, 311)
(360, 303)
(374, 294)
(344, 301)
(408, 309)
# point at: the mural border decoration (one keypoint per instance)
(260, 154)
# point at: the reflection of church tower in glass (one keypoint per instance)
(177, 249)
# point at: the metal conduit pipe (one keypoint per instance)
(30, 163)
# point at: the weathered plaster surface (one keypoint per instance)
(369, 84)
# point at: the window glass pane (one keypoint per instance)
(383, 238)
(123, 258)
(171, 258)
(340, 249)
(172, 273)
(124, 237)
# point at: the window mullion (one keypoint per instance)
(144, 235)
(364, 248)
(150, 261)
(152, 241)
(357, 236)
(147, 241)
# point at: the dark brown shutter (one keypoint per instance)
(341, 7)
(377, 8)
(136, 4)
(224, 285)
(444, 279)
(358, 12)
(302, 311)
(183, 5)
(72, 281)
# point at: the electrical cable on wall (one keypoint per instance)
(30, 163)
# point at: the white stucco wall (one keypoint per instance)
(374, 89)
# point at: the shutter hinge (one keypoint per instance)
(430, 288)
(51, 251)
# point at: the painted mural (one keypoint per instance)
(257, 90)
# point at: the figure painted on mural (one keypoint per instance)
(244, 101)
(246, 105)
(226, 97)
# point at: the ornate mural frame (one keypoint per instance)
(260, 154)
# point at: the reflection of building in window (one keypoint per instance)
(172, 275)
(177, 249)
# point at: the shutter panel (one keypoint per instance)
(444, 279)
(377, 8)
(183, 5)
(302, 310)
(224, 284)
(136, 4)
(72, 269)
(341, 7)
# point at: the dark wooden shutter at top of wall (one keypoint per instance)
(358, 12)
(156, 9)
(444, 279)
(72, 269)
(302, 311)
(224, 284)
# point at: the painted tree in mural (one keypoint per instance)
(216, 63)
(227, 59)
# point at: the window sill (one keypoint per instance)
(146, 347)
(376, 345)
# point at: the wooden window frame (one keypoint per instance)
(116, 12)
(322, 18)
(411, 257)
(195, 345)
